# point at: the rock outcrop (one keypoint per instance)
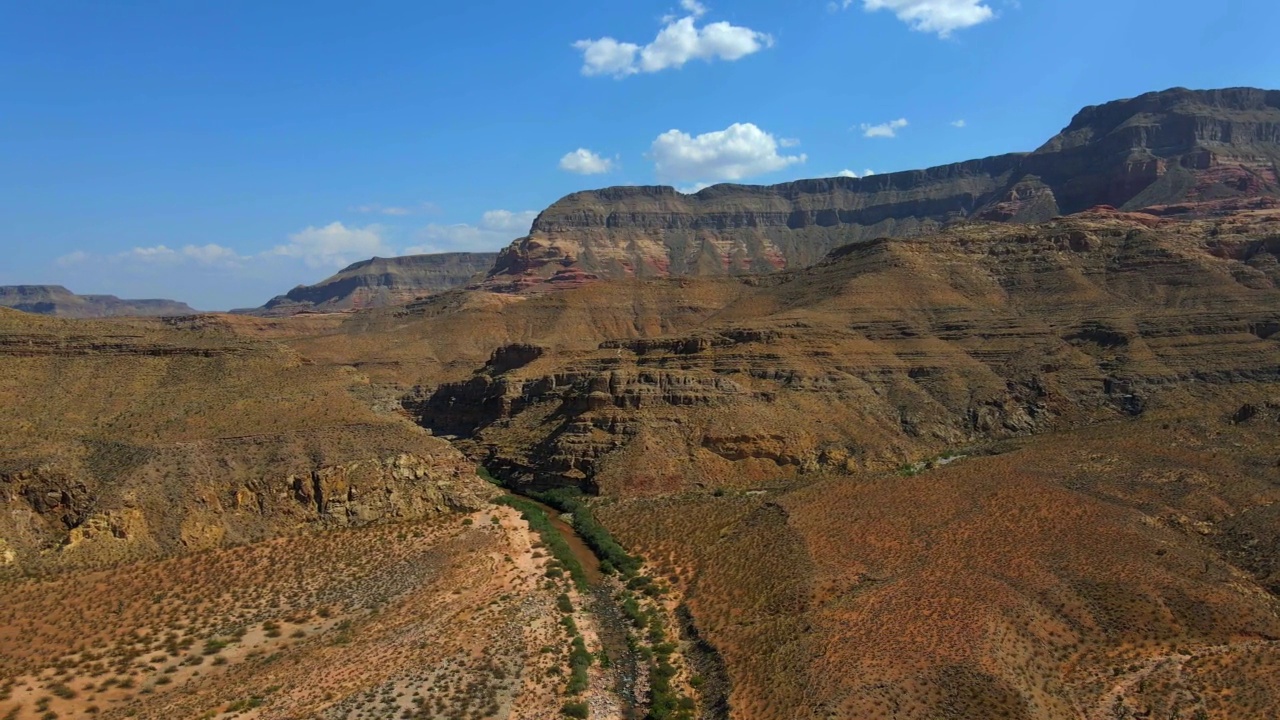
(887, 352)
(380, 282)
(61, 302)
(1166, 148)
(126, 439)
(192, 496)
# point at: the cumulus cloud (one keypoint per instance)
(883, 130)
(584, 162)
(693, 7)
(679, 41)
(958, 123)
(208, 255)
(739, 151)
(507, 221)
(942, 17)
(334, 244)
(851, 174)
(496, 229)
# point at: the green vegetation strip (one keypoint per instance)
(612, 555)
(541, 524)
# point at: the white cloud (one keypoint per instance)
(208, 255)
(396, 210)
(155, 253)
(507, 221)
(958, 123)
(691, 189)
(76, 257)
(585, 162)
(607, 56)
(851, 174)
(693, 7)
(934, 16)
(679, 41)
(496, 229)
(739, 151)
(211, 254)
(334, 244)
(883, 130)
(788, 142)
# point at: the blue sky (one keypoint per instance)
(222, 152)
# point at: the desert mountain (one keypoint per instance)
(883, 354)
(956, 452)
(59, 301)
(1162, 148)
(379, 282)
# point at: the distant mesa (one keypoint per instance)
(61, 302)
(1180, 149)
(380, 282)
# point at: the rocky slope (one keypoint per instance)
(146, 438)
(59, 301)
(1005, 331)
(1163, 148)
(1090, 575)
(379, 282)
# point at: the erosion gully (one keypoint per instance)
(610, 622)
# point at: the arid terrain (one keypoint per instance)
(1017, 458)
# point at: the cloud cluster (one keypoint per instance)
(739, 151)
(213, 275)
(334, 244)
(584, 162)
(942, 17)
(496, 229)
(679, 41)
(884, 130)
(211, 255)
(851, 174)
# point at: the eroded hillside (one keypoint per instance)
(885, 353)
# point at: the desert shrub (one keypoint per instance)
(592, 532)
(579, 661)
(213, 646)
(487, 476)
(244, 704)
(576, 709)
(541, 524)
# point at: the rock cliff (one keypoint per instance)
(124, 439)
(891, 350)
(380, 282)
(1173, 147)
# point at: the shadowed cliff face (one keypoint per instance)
(1173, 147)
